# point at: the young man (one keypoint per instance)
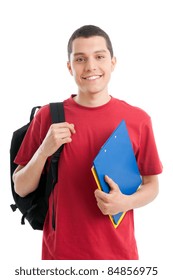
(83, 229)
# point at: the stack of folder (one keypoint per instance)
(117, 160)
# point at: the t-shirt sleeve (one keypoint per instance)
(148, 158)
(34, 136)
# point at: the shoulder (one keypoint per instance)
(130, 107)
(131, 111)
(44, 110)
(42, 116)
(41, 121)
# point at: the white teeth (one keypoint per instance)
(92, 78)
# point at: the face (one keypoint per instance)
(91, 64)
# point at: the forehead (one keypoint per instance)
(89, 45)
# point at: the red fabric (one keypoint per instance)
(82, 231)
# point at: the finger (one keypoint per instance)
(72, 128)
(65, 125)
(113, 186)
(66, 140)
(100, 195)
(63, 133)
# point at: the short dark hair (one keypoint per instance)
(87, 31)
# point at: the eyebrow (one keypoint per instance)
(81, 53)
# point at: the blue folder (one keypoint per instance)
(117, 160)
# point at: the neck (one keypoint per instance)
(94, 100)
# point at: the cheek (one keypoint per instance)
(108, 72)
(76, 77)
(76, 73)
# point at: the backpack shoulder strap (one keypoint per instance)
(57, 115)
(57, 112)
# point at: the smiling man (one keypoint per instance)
(91, 64)
(83, 229)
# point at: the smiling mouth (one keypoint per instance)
(91, 78)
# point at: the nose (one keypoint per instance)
(90, 65)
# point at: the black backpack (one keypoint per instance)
(34, 206)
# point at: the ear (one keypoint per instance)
(69, 67)
(114, 61)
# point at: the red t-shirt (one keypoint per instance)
(82, 231)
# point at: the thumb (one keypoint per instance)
(113, 186)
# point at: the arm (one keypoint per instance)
(116, 202)
(26, 178)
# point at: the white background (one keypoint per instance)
(33, 56)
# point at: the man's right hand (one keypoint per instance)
(57, 135)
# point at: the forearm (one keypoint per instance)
(145, 194)
(115, 201)
(26, 179)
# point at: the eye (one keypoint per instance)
(80, 59)
(100, 57)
